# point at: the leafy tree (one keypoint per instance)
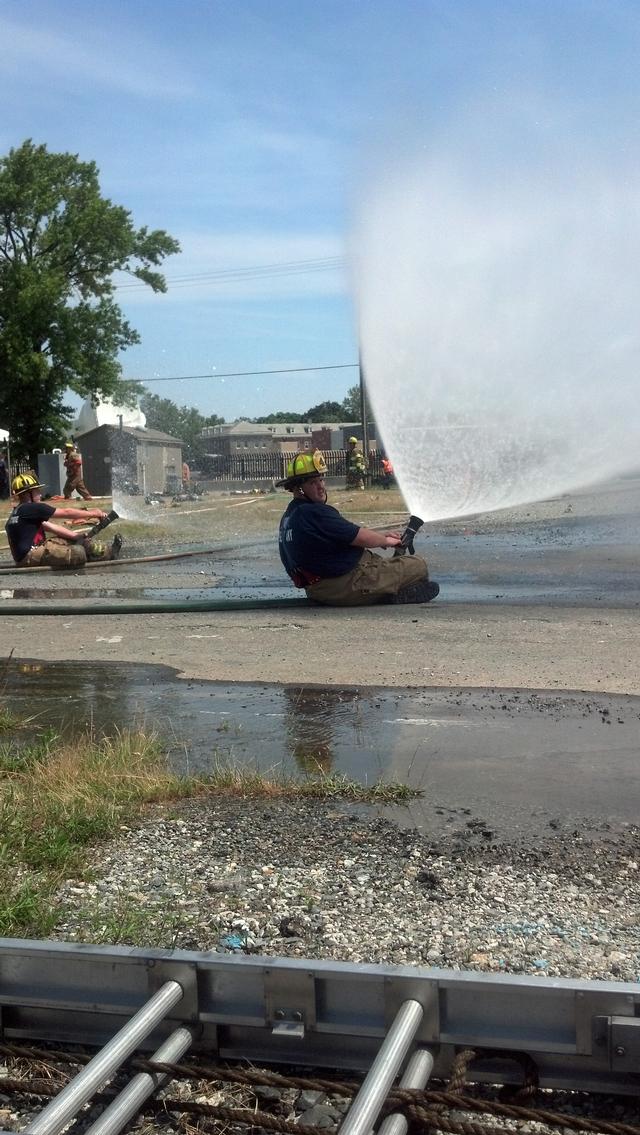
(280, 416)
(351, 405)
(60, 329)
(183, 422)
(325, 412)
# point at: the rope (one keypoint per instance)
(421, 1108)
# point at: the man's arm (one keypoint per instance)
(71, 514)
(367, 538)
(78, 514)
(60, 530)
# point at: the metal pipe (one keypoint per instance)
(68, 1102)
(417, 1075)
(125, 1105)
(364, 413)
(364, 1110)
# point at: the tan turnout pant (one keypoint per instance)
(55, 553)
(374, 580)
(59, 553)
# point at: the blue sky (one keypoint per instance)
(249, 128)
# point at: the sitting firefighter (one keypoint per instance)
(36, 540)
(330, 556)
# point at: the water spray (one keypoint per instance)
(406, 541)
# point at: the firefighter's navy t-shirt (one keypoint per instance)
(317, 539)
(23, 526)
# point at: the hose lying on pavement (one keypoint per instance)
(9, 569)
(151, 606)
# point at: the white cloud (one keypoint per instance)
(94, 56)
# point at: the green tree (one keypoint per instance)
(351, 405)
(280, 416)
(325, 412)
(60, 328)
(183, 422)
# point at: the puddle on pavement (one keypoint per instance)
(491, 763)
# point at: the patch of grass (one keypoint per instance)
(16, 757)
(248, 781)
(25, 907)
(58, 798)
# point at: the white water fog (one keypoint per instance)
(500, 325)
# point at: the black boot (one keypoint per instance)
(422, 592)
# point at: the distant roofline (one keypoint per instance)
(241, 425)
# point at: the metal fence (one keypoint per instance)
(273, 466)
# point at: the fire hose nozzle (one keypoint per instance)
(108, 519)
(406, 543)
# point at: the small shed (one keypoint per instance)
(122, 457)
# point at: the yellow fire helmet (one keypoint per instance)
(25, 483)
(302, 467)
(353, 441)
(69, 445)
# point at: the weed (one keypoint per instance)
(127, 922)
(9, 722)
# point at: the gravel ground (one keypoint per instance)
(319, 880)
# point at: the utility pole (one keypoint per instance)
(363, 411)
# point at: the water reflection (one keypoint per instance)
(313, 718)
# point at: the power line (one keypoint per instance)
(253, 272)
(244, 373)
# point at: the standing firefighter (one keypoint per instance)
(35, 540)
(330, 557)
(356, 465)
(73, 465)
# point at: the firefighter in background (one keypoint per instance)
(36, 540)
(73, 465)
(356, 465)
(386, 473)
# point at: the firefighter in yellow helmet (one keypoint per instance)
(330, 557)
(356, 465)
(36, 540)
(74, 481)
